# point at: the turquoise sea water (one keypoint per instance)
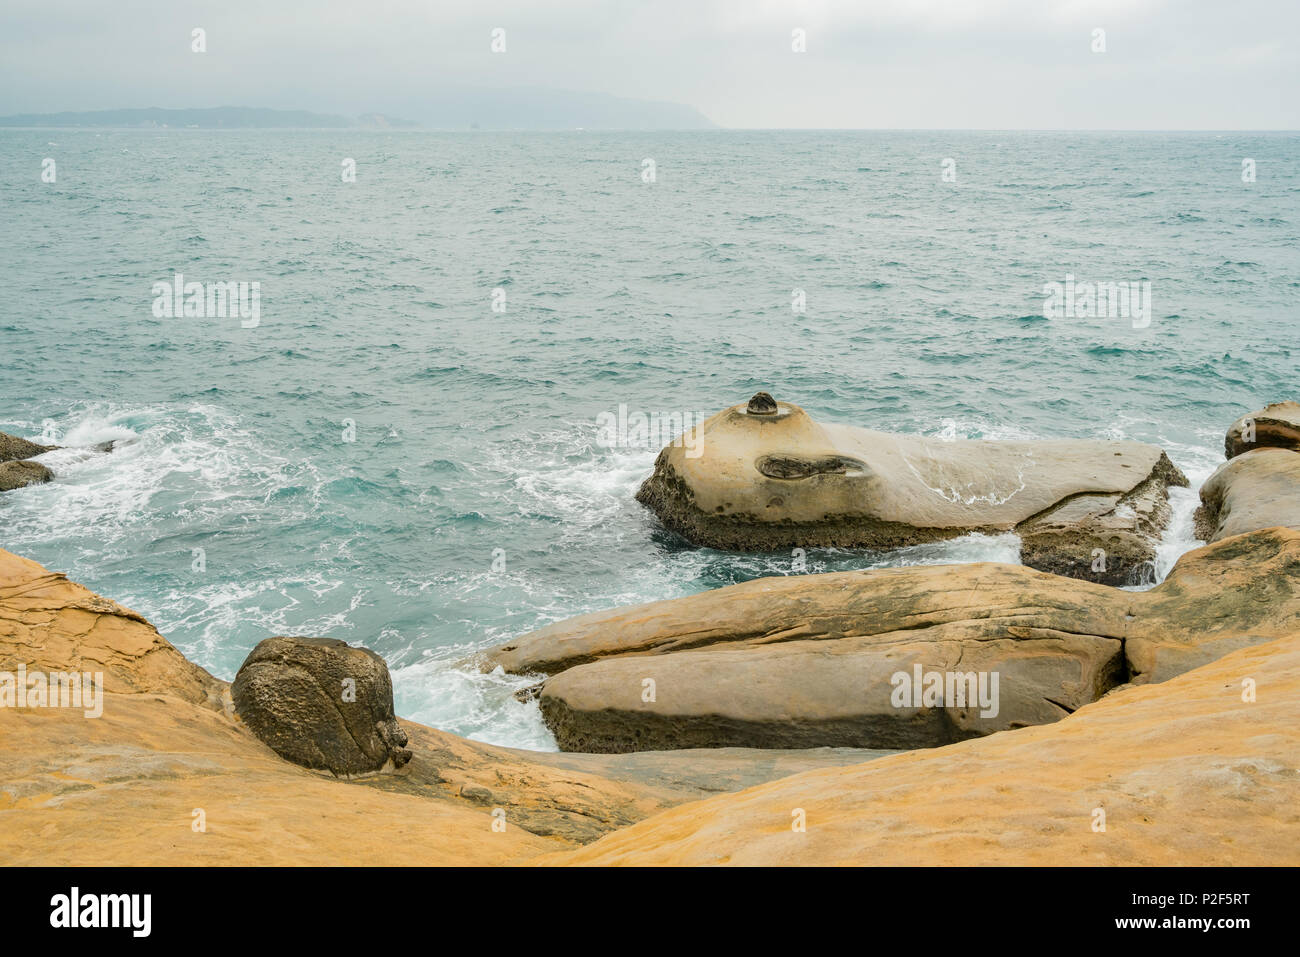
(477, 500)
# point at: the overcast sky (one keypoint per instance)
(1169, 64)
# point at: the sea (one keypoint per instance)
(405, 443)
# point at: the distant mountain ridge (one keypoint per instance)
(518, 109)
(216, 117)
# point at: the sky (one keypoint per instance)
(905, 64)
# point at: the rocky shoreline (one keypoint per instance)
(693, 727)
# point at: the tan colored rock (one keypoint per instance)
(1253, 490)
(826, 694)
(51, 624)
(123, 788)
(1276, 425)
(809, 660)
(1109, 539)
(1187, 773)
(19, 474)
(763, 480)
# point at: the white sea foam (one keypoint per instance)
(444, 691)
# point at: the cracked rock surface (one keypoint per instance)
(810, 660)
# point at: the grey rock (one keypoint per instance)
(321, 703)
(21, 474)
(13, 448)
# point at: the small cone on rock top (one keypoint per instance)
(790, 481)
(321, 703)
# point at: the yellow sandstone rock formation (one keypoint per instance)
(1187, 772)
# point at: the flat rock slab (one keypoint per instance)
(813, 660)
(1187, 773)
(748, 481)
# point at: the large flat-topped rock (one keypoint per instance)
(813, 660)
(753, 479)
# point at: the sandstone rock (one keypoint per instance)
(1187, 771)
(321, 703)
(51, 624)
(1104, 538)
(121, 789)
(1187, 774)
(776, 479)
(809, 660)
(19, 474)
(824, 694)
(1276, 425)
(13, 448)
(1253, 490)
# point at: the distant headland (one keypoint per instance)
(458, 110)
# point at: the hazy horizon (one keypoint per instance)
(917, 65)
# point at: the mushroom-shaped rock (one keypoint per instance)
(321, 703)
(1276, 425)
(774, 478)
(20, 474)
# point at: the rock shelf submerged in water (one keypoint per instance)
(767, 476)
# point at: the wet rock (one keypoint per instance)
(767, 476)
(13, 448)
(321, 703)
(778, 479)
(19, 474)
(1110, 539)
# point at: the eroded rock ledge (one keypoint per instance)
(1188, 772)
(15, 469)
(123, 788)
(808, 660)
(767, 476)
